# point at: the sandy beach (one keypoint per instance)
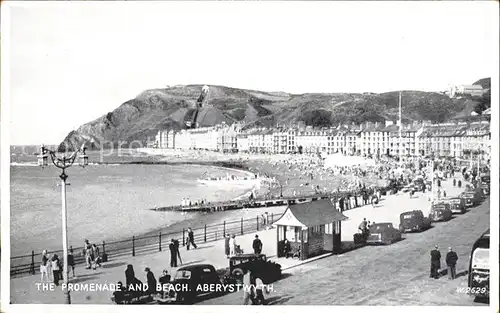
(292, 174)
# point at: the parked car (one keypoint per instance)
(440, 212)
(383, 233)
(485, 179)
(486, 188)
(259, 265)
(457, 205)
(189, 282)
(479, 267)
(413, 221)
(468, 199)
(472, 197)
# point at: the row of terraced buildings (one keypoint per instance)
(456, 139)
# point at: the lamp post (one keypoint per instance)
(63, 163)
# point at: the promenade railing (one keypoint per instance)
(140, 245)
(29, 264)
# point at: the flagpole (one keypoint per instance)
(432, 182)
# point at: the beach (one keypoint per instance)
(112, 199)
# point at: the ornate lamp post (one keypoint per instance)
(63, 163)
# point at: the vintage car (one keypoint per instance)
(485, 179)
(413, 221)
(472, 197)
(457, 205)
(479, 267)
(486, 188)
(383, 233)
(440, 212)
(468, 199)
(257, 263)
(189, 282)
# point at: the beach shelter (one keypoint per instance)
(312, 228)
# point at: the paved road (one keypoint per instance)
(384, 275)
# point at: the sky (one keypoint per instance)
(72, 62)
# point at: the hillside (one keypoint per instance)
(141, 118)
(484, 82)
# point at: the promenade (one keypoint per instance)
(26, 290)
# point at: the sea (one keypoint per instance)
(111, 201)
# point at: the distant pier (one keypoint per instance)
(243, 204)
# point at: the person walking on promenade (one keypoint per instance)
(363, 227)
(259, 291)
(44, 266)
(444, 193)
(190, 240)
(435, 262)
(459, 183)
(257, 245)
(451, 263)
(129, 275)
(226, 245)
(151, 282)
(232, 245)
(164, 280)
(454, 182)
(56, 269)
(248, 289)
(173, 254)
(71, 262)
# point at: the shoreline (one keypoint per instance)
(191, 219)
(262, 165)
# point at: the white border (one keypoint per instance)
(5, 193)
(5, 155)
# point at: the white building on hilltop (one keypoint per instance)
(466, 90)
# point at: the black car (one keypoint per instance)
(257, 263)
(479, 267)
(192, 281)
(413, 221)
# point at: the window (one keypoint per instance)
(330, 229)
(293, 233)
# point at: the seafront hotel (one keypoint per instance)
(458, 139)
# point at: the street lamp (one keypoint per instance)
(63, 163)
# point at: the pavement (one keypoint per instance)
(28, 290)
(397, 274)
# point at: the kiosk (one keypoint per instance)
(311, 228)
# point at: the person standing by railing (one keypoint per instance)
(190, 239)
(87, 251)
(71, 261)
(44, 266)
(173, 254)
(56, 269)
